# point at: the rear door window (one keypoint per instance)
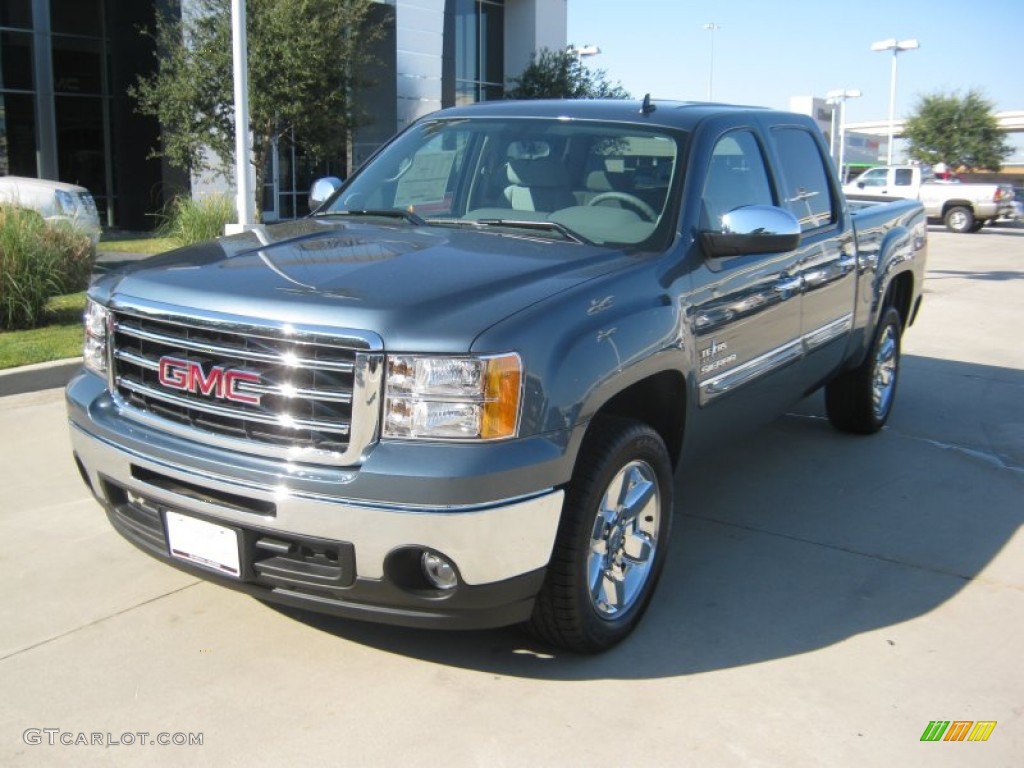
(806, 189)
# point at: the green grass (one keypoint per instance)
(59, 338)
(137, 245)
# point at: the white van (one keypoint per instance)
(55, 201)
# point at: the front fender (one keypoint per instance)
(582, 349)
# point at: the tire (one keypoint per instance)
(612, 539)
(959, 219)
(860, 401)
(977, 226)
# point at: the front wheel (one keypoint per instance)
(959, 219)
(611, 542)
(861, 400)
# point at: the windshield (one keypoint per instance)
(604, 183)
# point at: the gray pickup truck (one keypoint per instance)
(455, 395)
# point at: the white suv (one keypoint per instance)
(55, 201)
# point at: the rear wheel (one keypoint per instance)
(959, 219)
(612, 539)
(861, 400)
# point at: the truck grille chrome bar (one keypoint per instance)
(304, 397)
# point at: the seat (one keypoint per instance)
(537, 184)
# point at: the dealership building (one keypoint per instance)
(66, 66)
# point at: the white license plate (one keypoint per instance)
(203, 543)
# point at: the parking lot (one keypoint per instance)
(826, 599)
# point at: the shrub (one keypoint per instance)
(76, 257)
(37, 262)
(187, 221)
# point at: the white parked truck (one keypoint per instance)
(962, 207)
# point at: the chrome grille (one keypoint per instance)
(305, 388)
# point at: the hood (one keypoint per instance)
(419, 288)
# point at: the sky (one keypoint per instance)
(766, 51)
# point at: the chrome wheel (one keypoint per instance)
(612, 539)
(883, 382)
(959, 219)
(861, 400)
(624, 540)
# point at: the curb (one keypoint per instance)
(30, 378)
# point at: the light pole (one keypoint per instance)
(245, 194)
(582, 50)
(840, 97)
(896, 46)
(712, 28)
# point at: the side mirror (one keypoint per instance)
(860, 184)
(323, 189)
(753, 229)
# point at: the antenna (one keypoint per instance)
(647, 107)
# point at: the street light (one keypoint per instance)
(840, 97)
(896, 46)
(581, 51)
(712, 28)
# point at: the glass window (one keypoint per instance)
(16, 13)
(736, 178)
(80, 144)
(805, 186)
(17, 135)
(466, 33)
(465, 93)
(492, 42)
(876, 177)
(16, 61)
(77, 17)
(77, 67)
(526, 174)
(904, 177)
(479, 50)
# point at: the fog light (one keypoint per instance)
(439, 571)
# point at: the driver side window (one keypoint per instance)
(736, 178)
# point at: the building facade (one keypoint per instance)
(66, 66)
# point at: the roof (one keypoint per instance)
(677, 114)
(15, 182)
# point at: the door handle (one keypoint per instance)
(790, 285)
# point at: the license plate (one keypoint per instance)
(206, 544)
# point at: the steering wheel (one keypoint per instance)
(628, 199)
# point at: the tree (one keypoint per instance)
(306, 59)
(561, 75)
(960, 132)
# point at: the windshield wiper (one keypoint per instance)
(543, 226)
(388, 213)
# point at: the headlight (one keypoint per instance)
(452, 398)
(94, 351)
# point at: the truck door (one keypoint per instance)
(901, 183)
(827, 258)
(746, 309)
(874, 181)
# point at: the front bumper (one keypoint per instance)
(303, 546)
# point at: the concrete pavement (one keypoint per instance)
(827, 597)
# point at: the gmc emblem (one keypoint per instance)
(223, 383)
